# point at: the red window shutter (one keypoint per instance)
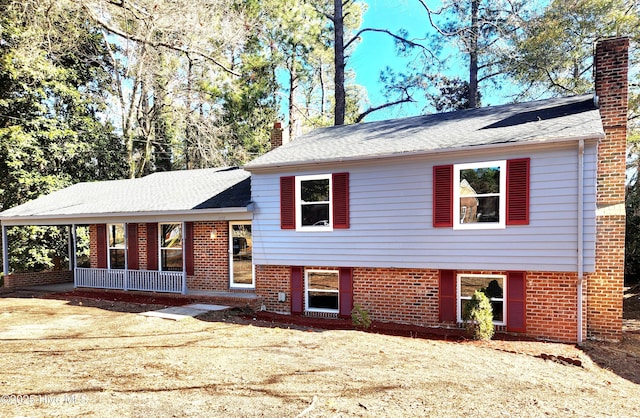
(340, 195)
(101, 238)
(132, 247)
(516, 301)
(443, 196)
(518, 192)
(346, 292)
(297, 290)
(288, 202)
(188, 248)
(447, 300)
(152, 246)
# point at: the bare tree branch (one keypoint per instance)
(388, 32)
(373, 109)
(156, 44)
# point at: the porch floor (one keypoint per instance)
(231, 298)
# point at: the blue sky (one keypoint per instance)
(377, 50)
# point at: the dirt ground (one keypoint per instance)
(66, 355)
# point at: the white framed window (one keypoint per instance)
(117, 246)
(492, 285)
(170, 240)
(322, 290)
(479, 195)
(313, 203)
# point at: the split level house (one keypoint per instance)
(406, 218)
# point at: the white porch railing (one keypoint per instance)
(146, 280)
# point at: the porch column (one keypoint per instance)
(73, 258)
(5, 251)
(126, 253)
(70, 247)
(184, 259)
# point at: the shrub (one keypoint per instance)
(478, 316)
(360, 317)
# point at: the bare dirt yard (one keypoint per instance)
(66, 355)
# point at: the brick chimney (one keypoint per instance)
(276, 135)
(605, 286)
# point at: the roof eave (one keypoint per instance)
(361, 158)
(215, 214)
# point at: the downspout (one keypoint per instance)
(580, 234)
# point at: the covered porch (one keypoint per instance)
(171, 232)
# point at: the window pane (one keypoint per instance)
(495, 306)
(481, 180)
(488, 209)
(315, 215)
(171, 236)
(116, 235)
(497, 311)
(314, 190)
(321, 300)
(116, 259)
(320, 280)
(468, 210)
(492, 286)
(171, 260)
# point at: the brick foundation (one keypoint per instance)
(16, 280)
(410, 296)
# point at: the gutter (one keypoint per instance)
(580, 237)
(232, 213)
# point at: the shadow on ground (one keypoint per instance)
(622, 358)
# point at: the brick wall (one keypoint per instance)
(552, 306)
(410, 296)
(142, 246)
(93, 246)
(211, 257)
(398, 295)
(38, 278)
(605, 286)
(270, 280)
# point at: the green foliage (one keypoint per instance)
(360, 317)
(632, 235)
(449, 94)
(52, 91)
(478, 316)
(555, 50)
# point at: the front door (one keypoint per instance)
(240, 259)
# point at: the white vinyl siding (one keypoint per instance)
(391, 219)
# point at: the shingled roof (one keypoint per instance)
(537, 121)
(211, 190)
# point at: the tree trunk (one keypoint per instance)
(293, 85)
(188, 143)
(340, 97)
(473, 56)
